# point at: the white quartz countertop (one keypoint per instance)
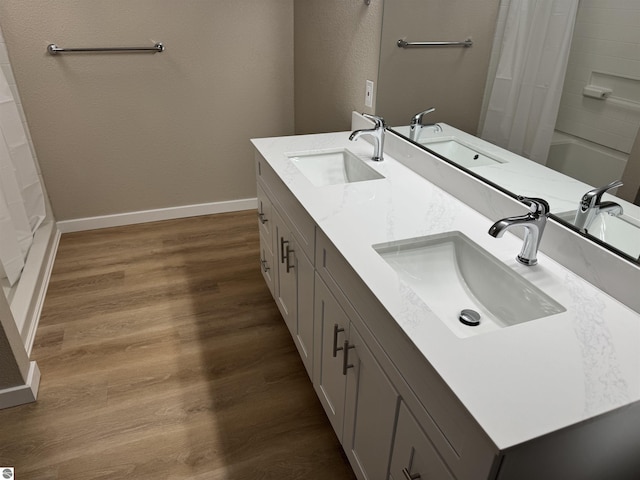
(519, 382)
(519, 174)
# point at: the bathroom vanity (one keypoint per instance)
(352, 249)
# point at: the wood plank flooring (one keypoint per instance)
(163, 356)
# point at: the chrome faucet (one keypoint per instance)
(591, 205)
(377, 132)
(533, 223)
(416, 124)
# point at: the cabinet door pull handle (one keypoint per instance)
(345, 359)
(410, 476)
(283, 243)
(336, 330)
(262, 218)
(265, 266)
(288, 264)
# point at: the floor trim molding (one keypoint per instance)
(30, 326)
(27, 393)
(131, 218)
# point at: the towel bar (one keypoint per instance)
(404, 44)
(53, 49)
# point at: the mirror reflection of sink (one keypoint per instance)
(451, 273)
(464, 155)
(620, 231)
(332, 167)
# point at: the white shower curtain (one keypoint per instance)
(524, 101)
(22, 207)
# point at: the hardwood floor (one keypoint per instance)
(163, 355)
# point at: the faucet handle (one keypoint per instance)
(417, 118)
(538, 206)
(593, 197)
(379, 121)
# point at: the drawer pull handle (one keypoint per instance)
(265, 266)
(262, 218)
(283, 243)
(336, 331)
(345, 359)
(410, 476)
(289, 266)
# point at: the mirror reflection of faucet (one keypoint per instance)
(377, 132)
(416, 125)
(591, 205)
(533, 223)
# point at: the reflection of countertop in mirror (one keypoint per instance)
(518, 382)
(520, 175)
(524, 177)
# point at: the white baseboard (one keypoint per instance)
(27, 393)
(131, 218)
(27, 296)
(28, 331)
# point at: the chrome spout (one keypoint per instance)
(591, 205)
(533, 222)
(416, 125)
(377, 133)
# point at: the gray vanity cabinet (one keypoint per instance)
(303, 335)
(370, 412)
(331, 331)
(387, 405)
(414, 456)
(286, 238)
(441, 422)
(357, 396)
(265, 220)
(286, 281)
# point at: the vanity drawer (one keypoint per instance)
(301, 224)
(459, 440)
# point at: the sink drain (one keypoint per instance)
(469, 317)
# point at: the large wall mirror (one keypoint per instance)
(583, 57)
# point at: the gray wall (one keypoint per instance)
(124, 133)
(451, 79)
(337, 46)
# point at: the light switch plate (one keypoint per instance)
(368, 95)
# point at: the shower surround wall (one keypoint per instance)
(20, 304)
(138, 132)
(8, 73)
(605, 52)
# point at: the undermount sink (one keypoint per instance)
(333, 167)
(450, 273)
(620, 231)
(456, 151)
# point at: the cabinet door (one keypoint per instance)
(304, 324)
(265, 220)
(264, 214)
(331, 329)
(370, 411)
(285, 272)
(414, 457)
(267, 263)
(293, 279)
